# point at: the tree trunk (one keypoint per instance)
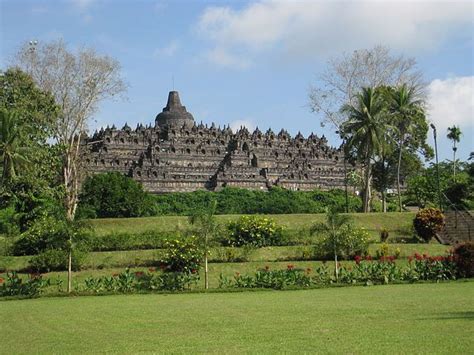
(398, 178)
(69, 269)
(384, 202)
(454, 162)
(367, 186)
(336, 266)
(206, 270)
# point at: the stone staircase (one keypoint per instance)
(459, 227)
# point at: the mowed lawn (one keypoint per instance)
(418, 318)
(398, 224)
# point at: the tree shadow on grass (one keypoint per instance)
(452, 315)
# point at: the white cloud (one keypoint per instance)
(317, 28)
(451, 102)
(237, 124)
(168, 50)
(224, 58)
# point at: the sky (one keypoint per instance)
(252, 63)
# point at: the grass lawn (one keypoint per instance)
(419, 318)
(398, 224)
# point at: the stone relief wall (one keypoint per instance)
(179, 155)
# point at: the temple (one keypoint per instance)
(178, 155)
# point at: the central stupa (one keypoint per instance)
(174, 114)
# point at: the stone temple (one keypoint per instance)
(178, 155)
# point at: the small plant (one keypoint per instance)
(384, 235)
(464, 258)
(183, 255)
(428, 222)
(255, 230)
(16, 286)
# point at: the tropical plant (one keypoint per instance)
(258, 231)
(454, 134)
(409, 118)
(12, 154)
(366, 128)
(428, 222)
(332, 230)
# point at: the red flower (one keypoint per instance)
(139, 274)
(357, 259)
(368, 258)
(1, 280)
(193, 271)
(290, 266)
(418, 256)
(152, 269)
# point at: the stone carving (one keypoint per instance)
(176, 154)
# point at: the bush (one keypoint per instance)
(351, 241)
(15, 286)
(384, 235)
(57, 260)
(113, 195)
(183, 255)
(428, 222)
(51, 233)
(253, 230)
(464, 258)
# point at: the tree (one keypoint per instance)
(345, 77)
(412, 128)
(454, 134)
(332, 228)
(205, 222)
(78, 82)
(11, 153)
(113, 195)
(365, 128)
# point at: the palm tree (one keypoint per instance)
(332, 229)
(404, 106)
(454, 134)
(365, 129)
(11, 153)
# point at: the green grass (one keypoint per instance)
(398, 224)
(117, 259)
(419, 318)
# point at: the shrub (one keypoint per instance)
(182, 255)
(15, 286)
(428, 222)
(384, 235)
(113, 195)
(464, 258)
(425, 267)
(57, 260)
(351, 241)
(253, 230)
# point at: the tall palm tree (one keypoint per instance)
(404, 106)
(454, 134)
(11, 153)
(365, 128)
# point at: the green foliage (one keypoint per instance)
(257, 231)
(57, 260)
(347, 242)
(384, 234)
(183, 255)
(242, 201)
(16, 286)
(127, 282)
(464, 259)
(428, 222)
(113, 195)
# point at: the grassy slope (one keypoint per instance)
(387, 319)
(398, 224)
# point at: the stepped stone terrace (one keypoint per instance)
(178, 155)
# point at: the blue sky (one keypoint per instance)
(253, 62)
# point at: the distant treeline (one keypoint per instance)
(115, 195)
